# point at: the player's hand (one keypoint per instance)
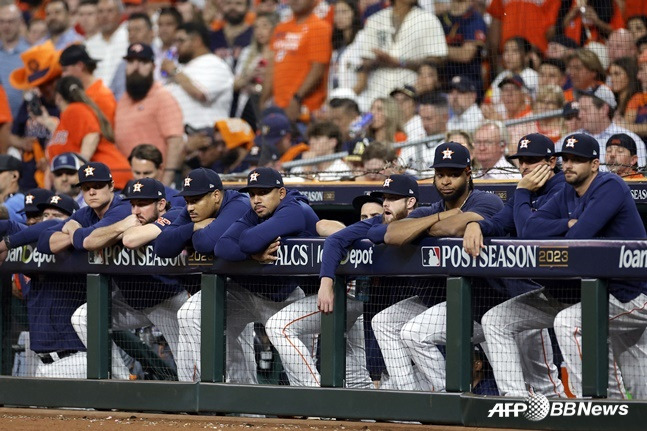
(268, 254)
(326, 295)
(130, 221)
(535, 179)
(70, 227)
(473, 239)
(572, 222)
(202, 224)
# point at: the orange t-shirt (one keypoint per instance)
(635, 7)
(637, 101)
(105, 100)
(5, 111)
(296, 46)
(528, 19)
(77, 121)
(574, 28)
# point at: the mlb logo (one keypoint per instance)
(96, 258)
(430, 256)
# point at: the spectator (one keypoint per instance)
(553, 72)
(167, 24)
(227, 153)
(405, 97)
(10, 196)
(637, 26)
(636, 113)
(59, 25)
(345, 55)
(571, 114)
(36, 31)
(584, 70)
(298, 71)
(149, 113)
(324, 138)
(462, 100)
(236, 34)
(465, 34)
(549, 98)
(515, 98)
(83, 129)
(343, 112)
(560, 46)
(596, 112)
(465, 139)
(433, 109)
(146, 161)
(592, 22)
(387, 121)
(621, 156)
(641, 44)
(621, 44)
(87, 21)
(5, 121)
(75, 61)
(277, 139)
(203, 84)
(623, 83)
(427, 80)
(378, 162)
(65, 176)
(490, 140)
(109, 45)
(12, 44)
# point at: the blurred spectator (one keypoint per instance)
(387, 121)
(596, 113)
(549, 98)
(10, 168)
(560, 46)
(623, 81)
(433, 109)
(227, 153)
(490, 140)
(585, 71)
(427, 80)
(59, 25)
(298, 71)
(634, 7)
(277, 140)
(83, 129)
(12, 45)
(405, 97)
(572, 122)
(462, 100)
(109, 45)
(228, 42)
(641, 44)
(378, 162)
(553, 72)
(637, 26)
(343, 112)
(5, 121)
(391, 56)
(515, 98)
(36, 31)
(65, 176)
(146, 162)
(465, 32)
(324, 139)
(75, 61)
(148, 113)
(636, 113)
(266, 6)
(345, 55)
(621, 44)
(87, 18)
(203, 84)
(167, 24)
(465, 139)
(621, 156)
(133, 6)
(592, 22)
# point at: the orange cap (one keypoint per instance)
(235, 132)
(41, 66)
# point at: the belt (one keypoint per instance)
(49, 358)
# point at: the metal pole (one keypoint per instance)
(333, 341)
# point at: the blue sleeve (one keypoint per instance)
(204, 240)
(174, 237)
(336, 244)
(599, 210)
(500, 224)
(548, 221)
(43, 238)
(228, 246)
(487, 205)
(376, 233)
(112, 216)
(32, 233)
(8, 227)
(285, 221)
(425, 211)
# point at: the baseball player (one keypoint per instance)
(593, 204)
(209, 211)
(410, 330)
(541, 180)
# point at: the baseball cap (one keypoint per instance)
(515, 80)
(571, 110)
(580, 145)
(534, 145)
(75, 53)
(146, 188)
(274, 126)
(94, 172)
(565, 41)
(399, 185)
(623, 140)
(71, 161)
(9, 163)
(200, 182)
(34, 197)
(451, 155)
(343, 93)
(407, 90)
(601, 92)
(62, 202)
(263, 178)
(235, 132)
(462, 84)
(360, 200)
(140, 51)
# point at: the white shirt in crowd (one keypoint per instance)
(109, 52)
(417, 157)
(334, 172)
(502, 170)
(468, 121)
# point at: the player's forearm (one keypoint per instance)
(404, 231)
(140, 235)
(59, 241)
(453, 226)
(326, 228)
(104, 236)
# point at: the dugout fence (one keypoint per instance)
(593, 262)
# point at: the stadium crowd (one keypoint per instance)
(118, 119)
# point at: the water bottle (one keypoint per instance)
(358, 127)
(170, 54)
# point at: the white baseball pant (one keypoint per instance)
(71, 367)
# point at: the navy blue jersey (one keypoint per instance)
(175, 237)
(479, 202)
(176, 201)
(30, 234)
(8, 227)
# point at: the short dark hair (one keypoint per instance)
(147, 152)
(641, 41)
(379, 150)
(141, 15)
(349, 105)
(555, 62)
(172, 12)
(327, 129)
(433, 98)
(194, 28)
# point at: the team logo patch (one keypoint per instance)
(187, 182)
(524, 143)
(89, 171)
(137, 187)
(447, 154)
(430, 256)
(387, 182)
(253, 176)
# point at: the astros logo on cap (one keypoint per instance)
(89, 171)
(524, 143)
(54, 199)
(253, 176)
(29, 199)
(137, 187)
(387, 182)
(447, 154)
(187, 182)
(571, 142)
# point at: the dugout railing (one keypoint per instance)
(592, 261)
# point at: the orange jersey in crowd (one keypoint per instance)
(77, 121)
(574, 28)
(296, 46)
(635, 7)
(105, 100)
(5, 111)
(528, 19)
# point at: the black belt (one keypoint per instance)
(49, 358)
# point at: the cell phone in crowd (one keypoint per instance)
(33, 103)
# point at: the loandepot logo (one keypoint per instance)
(536, 407)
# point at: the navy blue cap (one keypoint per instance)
(571, 110)
(200, 182)
(462, 84)
(146, 188)
(263, 178)
(274, 127)
(94, 172)
(75, 53)
(140, 51)
(62, 202)
(623, 140)
(534, 145)
(515, 80)
(34, 197)
(451, 155)
(71, 161)
(360, 200)
(399, 185)
(580, 145)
